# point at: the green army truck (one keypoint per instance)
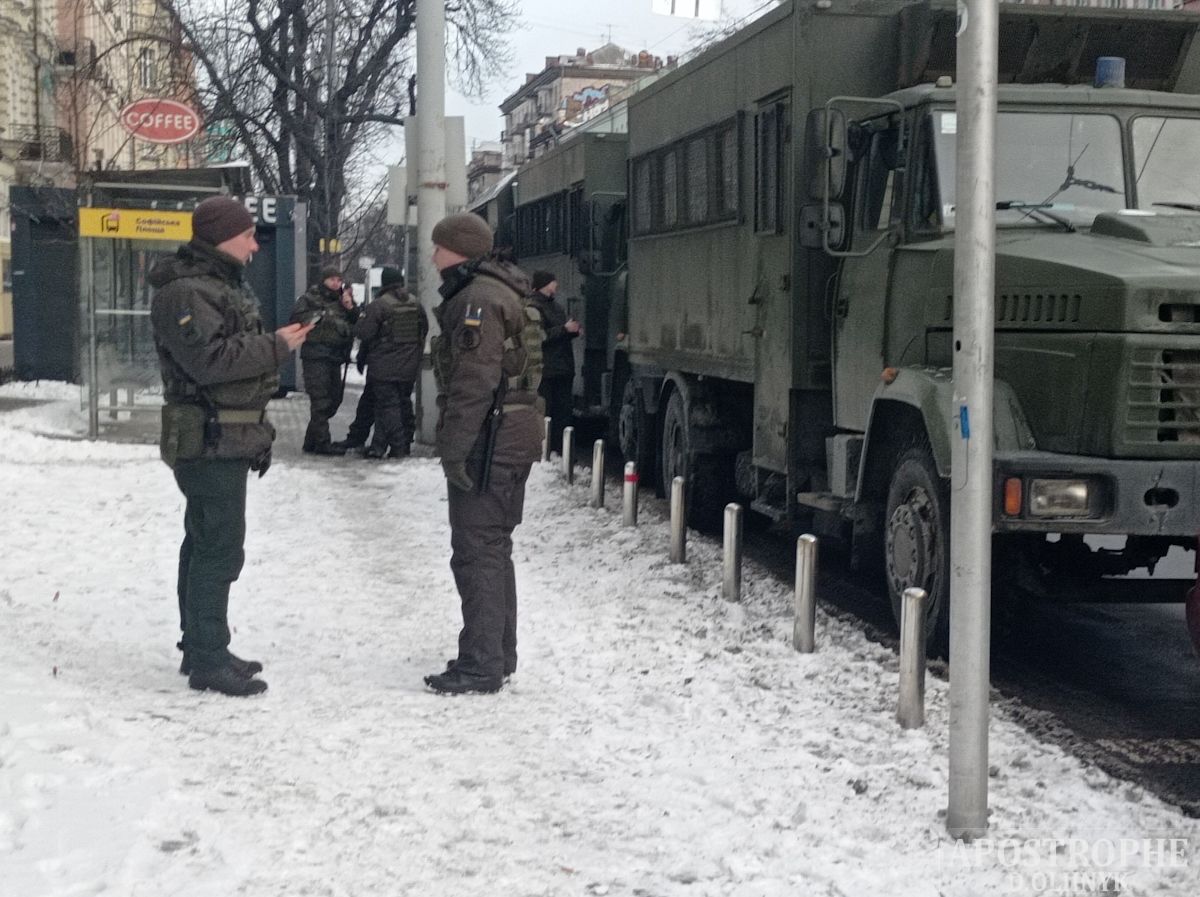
(791, 206)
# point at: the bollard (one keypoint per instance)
(678, 523)
(598, 474)
(631, 495)
(546, 439)
(911, 712)
(803, 630)
(568, 454)
(732, 587)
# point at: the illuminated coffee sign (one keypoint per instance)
(159, 120)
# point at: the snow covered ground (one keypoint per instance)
(656, 740)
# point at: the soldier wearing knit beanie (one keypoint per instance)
(218, 219)
(464, 234)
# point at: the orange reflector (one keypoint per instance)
(889, 375)
(1012, 497)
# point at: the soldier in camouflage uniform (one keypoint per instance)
(488, 436)
(330, 306)
(219, 370)
(392, 332)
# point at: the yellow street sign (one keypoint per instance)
(135, 224)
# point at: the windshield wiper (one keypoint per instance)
(1037, 208)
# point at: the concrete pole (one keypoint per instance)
(568, 454)
(971, 457)
(630, 495)
(431, 173)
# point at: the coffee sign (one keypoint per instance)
(159, 120)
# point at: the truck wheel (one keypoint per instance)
(917, 542)
(706, 477)
(635, 433)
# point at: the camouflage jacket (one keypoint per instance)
(392, 330)
(483, 308)
(211, 346)
(333, 336)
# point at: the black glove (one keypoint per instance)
(262, 463)
(360, 363)
(456, 475)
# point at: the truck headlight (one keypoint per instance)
(1059, 498)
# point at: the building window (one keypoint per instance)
(146, 74)
(727, 186)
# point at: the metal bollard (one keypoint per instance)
(732, 587)
(803, 630)
(546, 439)
(678, 523)
(631, 495)
(911, 711)
(598, 474)
(568, 454)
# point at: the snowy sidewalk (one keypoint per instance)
(655, 739)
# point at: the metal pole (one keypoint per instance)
(731, 587)
(911, 710)
(330, 122)
(629, 511)
(93, 359)
(568, 454)
(546, 439)
(678, 523)
(598, 474)
(971, 456)
(430, 163)
(805, 599)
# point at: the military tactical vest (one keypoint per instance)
(402, 323)
(522, 362)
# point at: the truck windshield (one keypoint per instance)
(1067, 163)
(1165, 154)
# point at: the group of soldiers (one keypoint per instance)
(391, 333)
(220, 368)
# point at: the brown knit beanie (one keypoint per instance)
(219, 218)
(330, 271)
(464, 233)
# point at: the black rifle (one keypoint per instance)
(491, 427)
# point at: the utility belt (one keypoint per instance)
(189, 428)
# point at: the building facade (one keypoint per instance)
(567, 93)
(67, 68)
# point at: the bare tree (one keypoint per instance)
(306, 112)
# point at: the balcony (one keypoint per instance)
(46, 144)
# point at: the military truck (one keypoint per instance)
(568, 217)
(791, 210)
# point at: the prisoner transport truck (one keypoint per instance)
(791, 212)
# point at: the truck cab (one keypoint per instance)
(1097, 341)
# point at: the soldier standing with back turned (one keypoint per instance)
(219, 369)
(391, 331)
(488, 436)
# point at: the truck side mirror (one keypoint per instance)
(826, 153)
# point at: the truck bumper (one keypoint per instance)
(1144, 498)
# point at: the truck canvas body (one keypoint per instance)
(790, 303)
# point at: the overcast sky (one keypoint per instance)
(556, 27)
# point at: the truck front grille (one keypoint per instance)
(1164, 396)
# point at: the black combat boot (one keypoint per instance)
(375, 454)
(456, 681)
(244, 668)
(227, 681)
(327, 449)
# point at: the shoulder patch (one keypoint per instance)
(474, 316)
(469, 339)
